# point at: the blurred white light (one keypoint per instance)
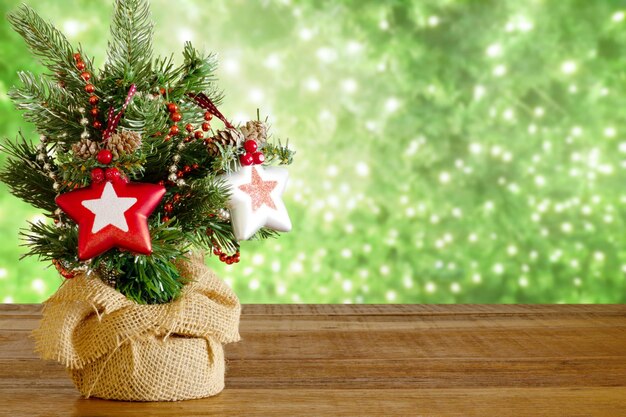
(383, 25)
(326, 54)
(38, 285)
(362, 169)
(610, 132)
(392, 104)
(539, 111)
(384, 270)
(390, 295)
(254, 284)
(231, 65)
(618, 16)
(499, 70)
(272, 61)
(444, 177)
(475, 148)
(433, 21)
(354, 47)
(494, 50)
(540, 181)
(346, 285)
(346, 253)
(431, 287)
(511, 250)
(312, 84)
(71, 27)
(305, 34)
(498, 269)
(185, 35)
(568, 67)
(479, 92)
(258, 259)
(256, 95)
(332, 170)
(567, 227)
(455, 287)
(3, 273)
(349, 86)
(523, 282)
(476, 278)
(7, 300)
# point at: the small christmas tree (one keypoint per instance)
(129, 166)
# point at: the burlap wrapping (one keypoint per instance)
(117, 349)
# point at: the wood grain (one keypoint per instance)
(368, 360)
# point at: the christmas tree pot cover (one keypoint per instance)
(117, 349)
(139, 175)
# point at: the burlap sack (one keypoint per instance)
(117, 349)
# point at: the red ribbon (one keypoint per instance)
(114, 119)
(204, 102)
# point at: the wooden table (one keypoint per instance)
(395, 360)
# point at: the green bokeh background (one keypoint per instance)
(448, 151)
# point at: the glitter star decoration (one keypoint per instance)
(112, 215)
(256, 200)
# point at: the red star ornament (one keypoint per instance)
(112, 215)
(256, 200)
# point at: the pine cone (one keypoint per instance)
(123, 143)
(227, 137)
(85, 148)
(255, 130)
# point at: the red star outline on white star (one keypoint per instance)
(245, 217)
(112, 215)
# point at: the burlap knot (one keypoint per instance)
(117, 349)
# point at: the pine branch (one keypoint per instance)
(149, 279)
(48, 242)
(50, 45)
(197, 75)
(24, 175)
(51, 108)
(129, 53)
(278, 154)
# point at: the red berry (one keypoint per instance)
(246, 159)
(176, 198)
(198, 134)
(81, 65)
(97, 175)
(250, 146)
(93, 100)
(105, 156)
(223, 257)
(229, 261)
(77, 57)
(85, 75)
(258, 157)
(94, 111)
(195, 165)
(90, 88)
(97, 124)
(176, 117)
(208, 116)
(206, 126)
(172, 108)
(112, 174)
(188, 127)
(161, 183)
(168, 207)
(166, 219)
(180, 174)
(187, 169)
(174, 130)
(216, 252)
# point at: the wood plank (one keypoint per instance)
(390, 309)
(514, 402)
(372, 360)
(373, 373)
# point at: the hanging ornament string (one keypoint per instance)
(114, 120)
(204, 102)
